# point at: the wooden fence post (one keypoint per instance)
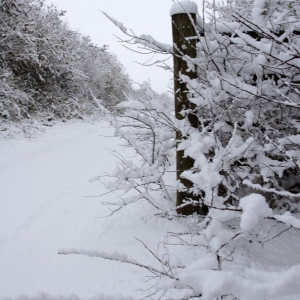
(184, 45)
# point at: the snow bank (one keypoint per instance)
(184, 7)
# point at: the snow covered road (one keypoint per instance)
(43, 184)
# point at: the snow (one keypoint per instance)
(184, 7)
(255, 208)
(44, 181)
(46, 296)
(58, 244)
(213, 284)
(259, 187)
(150, 42)
(118, 24)
(262, 9)
(249, 118)
(288, 219)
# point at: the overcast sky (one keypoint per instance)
(142, 16)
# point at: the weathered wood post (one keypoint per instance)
(184, 45)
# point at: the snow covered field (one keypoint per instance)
(44, 181)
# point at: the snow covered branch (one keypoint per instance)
(245, 151)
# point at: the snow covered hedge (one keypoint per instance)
(49, 70)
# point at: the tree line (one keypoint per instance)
(50, 71)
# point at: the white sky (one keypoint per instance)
(142, 16)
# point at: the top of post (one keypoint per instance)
(184, 7)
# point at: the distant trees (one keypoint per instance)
(45, 67)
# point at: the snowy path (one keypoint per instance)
(43, 184)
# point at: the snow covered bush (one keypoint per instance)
(246, 99)
(54, 68)
(249, 73)
(14, 103)
(145, 122)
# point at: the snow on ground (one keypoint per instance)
(44, 181)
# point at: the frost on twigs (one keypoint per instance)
(118, 24)
(246, 153)
(145, 124)
(148, 42)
